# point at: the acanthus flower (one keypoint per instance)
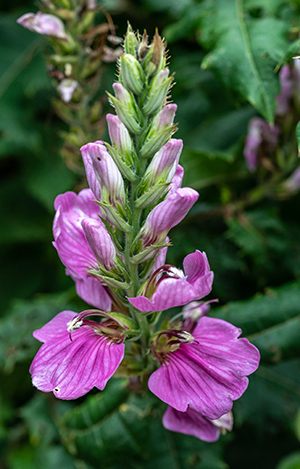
(205, 370)
(42, 23)
(73, 213)
(77, 354)
(169, 286)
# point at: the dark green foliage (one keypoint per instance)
(226, 55)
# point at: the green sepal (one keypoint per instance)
(123, 167)
(111, 232)
(153, 195)
(156, 97)
(110, 281)
(155, 140)
(132, 74)
(127, 116)
(125, 322)
(114, 217)
(147, 253)
(130, 43)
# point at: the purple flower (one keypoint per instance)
(193, 423)
(67, 88)
(169, 286)
(77, 354)
(167, 214)
(118, 133)
(283, 100)
(41, 23)
(106, 172)
(164, 163)
(261, 138)
(72, 211)
(204, 370)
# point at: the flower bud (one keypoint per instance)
(119, 135)
(41, 23)
(106, 172)
(126, 108)
(160, 131)
(164, 163)
(99, 242)
(130, 42)
(67, 88)
(158, 91)
(131, 73)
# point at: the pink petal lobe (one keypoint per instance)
(71, 368)
(190, 423)
(209, 373)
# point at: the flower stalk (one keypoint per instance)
(113, 240)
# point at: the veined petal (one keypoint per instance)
(191, 423)
(106, 171)
(71, 368)
(70, 240)
(208, 373)
(178, 291)
(177, 180)
(93, 292)
(99, 242)
(167, 214)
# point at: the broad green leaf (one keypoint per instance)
(244, 51)
(290, 462)
(203, 168)
(263, 311)
(16, 341)
(125, 430)
(270, 321)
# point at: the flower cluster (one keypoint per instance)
(113, 239)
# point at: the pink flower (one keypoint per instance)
(205, 370)
(75, 216)
(167, 214)
(169, 286)
(193, 423)
(41, 23)
(106, 172)
(76, 355)
(261, 137)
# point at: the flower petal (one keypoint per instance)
(172, 291)
(209, 373)
(71, 368)
(190, 423)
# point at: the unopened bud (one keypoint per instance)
(126, 108)
(131, 73)
(158, 91)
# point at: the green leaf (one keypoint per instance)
(16, 341)
(292, 461)
(203, 168)
(125, 430)
(270, 321)
(244, 51)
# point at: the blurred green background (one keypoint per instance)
(248, 227)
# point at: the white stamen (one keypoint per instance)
(174, 272)
(74, 324)
(185, 336)
(56, 389)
